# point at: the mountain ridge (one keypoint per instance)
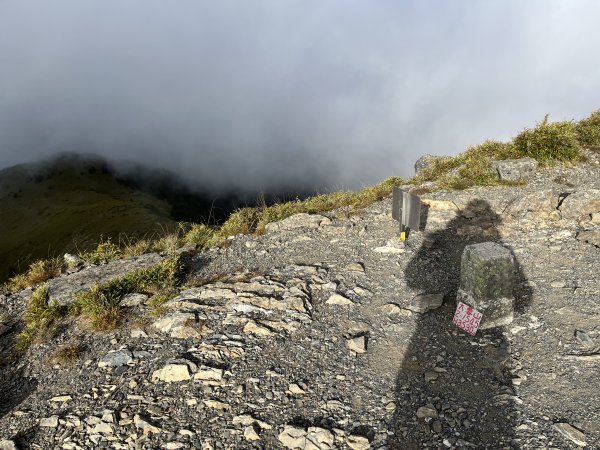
(306, 336)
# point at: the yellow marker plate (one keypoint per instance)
(403, 236)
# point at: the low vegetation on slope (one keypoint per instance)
(254, 220)
(64, 205)
(101, 305)
(547, 142)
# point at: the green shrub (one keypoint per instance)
(588, 129)
(105, 252)
(549, 141)
(101, 304)
(39, 316)
(437, 169)
(473, 167)
(38, 272)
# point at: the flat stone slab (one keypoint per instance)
(301, 220)
(571, 433)
(61, 290)
(116, 358)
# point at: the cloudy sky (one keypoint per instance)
(263, 93)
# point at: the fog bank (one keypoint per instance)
(268, 94)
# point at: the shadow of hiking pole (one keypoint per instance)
(452, 389)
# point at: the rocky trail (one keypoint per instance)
(327, 332)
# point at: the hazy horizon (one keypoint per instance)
(255, 96)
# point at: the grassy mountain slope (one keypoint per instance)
(68, 204)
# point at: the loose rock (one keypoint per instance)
(339, 300)
(571, 433)
(144, 425)
(357, 344)
(172, 373)
(426, 412)
(425, 302)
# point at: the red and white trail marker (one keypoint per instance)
(467, 318)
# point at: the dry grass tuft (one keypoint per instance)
(38, 272)
(136, 247)
(105, 252)
(68, 354)
(39, 317)
(254, 220)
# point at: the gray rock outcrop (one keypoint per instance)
(62, 290)
(515, 169)
(581, 205)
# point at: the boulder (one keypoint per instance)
(339, 300)
(73, 262)
(133, 300)
(8, 445)
(581, 205)
(571, 433)
(357, 344)
(591, 237)
(293, 437)
(358, 443)
(144, 425)
(515, 169)
(537, 205)
(487, 277)
(312, 439)
(425, 161)
(427, 412)
(180, 325)
(173, 373)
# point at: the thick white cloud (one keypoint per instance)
(265, 93)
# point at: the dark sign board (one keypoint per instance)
(406, 209)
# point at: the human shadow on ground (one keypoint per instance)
(465, 379)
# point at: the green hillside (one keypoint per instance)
(69, 204)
